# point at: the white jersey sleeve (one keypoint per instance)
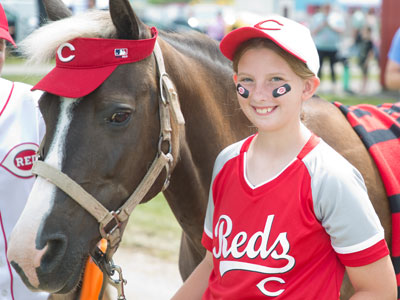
(341, 201)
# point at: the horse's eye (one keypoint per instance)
(120, 117)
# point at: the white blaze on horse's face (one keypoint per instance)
(40, 201)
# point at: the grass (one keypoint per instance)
(30, 79)
(354, 99)
(153, 228)
(14, 59)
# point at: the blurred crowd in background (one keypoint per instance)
(343, 33)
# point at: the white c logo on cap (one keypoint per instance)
(59, 52)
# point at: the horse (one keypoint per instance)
(107, 141)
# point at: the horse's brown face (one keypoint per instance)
(119, 124)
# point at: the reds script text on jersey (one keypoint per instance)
(290, 237)
(21, 130)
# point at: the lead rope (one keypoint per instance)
(117, 220)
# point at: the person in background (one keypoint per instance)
(277, 224)
(217, 29)
(358, 22)
(366, 54)
(22, 128)
(373, 21)
(392, 71)
(327, 29)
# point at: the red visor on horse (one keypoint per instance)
(83, 64)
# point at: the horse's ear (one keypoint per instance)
(56, 9)
(128, 25)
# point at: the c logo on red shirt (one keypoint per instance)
(261, 286)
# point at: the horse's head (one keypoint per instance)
(104, 138)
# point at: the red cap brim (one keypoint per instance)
(4, 34)
(74, 83)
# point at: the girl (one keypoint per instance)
(287, 215)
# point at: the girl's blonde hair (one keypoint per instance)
(298, 66)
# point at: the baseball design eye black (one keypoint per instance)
(242, 91)
(282, 90)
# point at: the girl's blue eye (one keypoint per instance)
(274, 79)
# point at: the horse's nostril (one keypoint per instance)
(56, 247)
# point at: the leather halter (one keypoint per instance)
(116, 219)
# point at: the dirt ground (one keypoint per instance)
(148, 277)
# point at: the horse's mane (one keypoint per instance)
(41, 45)
(190, 40)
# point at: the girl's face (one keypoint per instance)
(261, 71)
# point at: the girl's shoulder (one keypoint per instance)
(234, 149)
(333, 178)
(324, 161)
(230, 152)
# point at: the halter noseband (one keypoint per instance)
(111, 223)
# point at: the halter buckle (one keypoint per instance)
(113, 234)
(161, 140)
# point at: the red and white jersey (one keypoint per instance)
(21, 130)
(290, 237)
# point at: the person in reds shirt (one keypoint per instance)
(21, 130)
(287, 215)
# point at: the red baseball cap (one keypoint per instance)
(291, 36)
(4, 33)
(83, 64)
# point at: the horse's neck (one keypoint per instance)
(213, 121)
(203, 78)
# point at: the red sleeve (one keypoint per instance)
(366, 256)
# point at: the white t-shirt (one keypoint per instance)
(21, 130)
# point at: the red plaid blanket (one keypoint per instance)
(379, 129)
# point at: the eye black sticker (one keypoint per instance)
(282, 90)
(242, 91)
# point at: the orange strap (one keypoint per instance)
(93, 277)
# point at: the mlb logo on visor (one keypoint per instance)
(121, 52)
